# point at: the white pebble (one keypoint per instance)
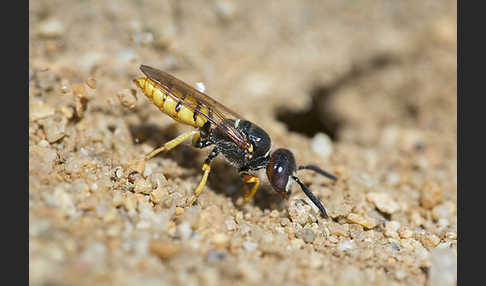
(443, 268)
(51, 28)
(148, 170)
(249, 246)
(391, 228)
(83, 151)
(345, 245)
(322, 145)
(43, 143)
(184, 230)
(383, 202)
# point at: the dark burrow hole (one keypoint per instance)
(316, 118)
(312, 120)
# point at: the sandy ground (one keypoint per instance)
(364, 89)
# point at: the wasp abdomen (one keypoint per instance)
(174, 104)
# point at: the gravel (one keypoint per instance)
(362, 104)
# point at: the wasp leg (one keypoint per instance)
(251, 179)
(206, 169)
(172, 143)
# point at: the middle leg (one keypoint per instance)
(206, 169)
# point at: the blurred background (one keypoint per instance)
(358, 86)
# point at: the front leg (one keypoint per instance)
(248, 178)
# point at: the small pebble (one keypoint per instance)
(51, 28)
(391, 228)
(297, 243)
(250, 246)
(130, 203)
(451, 235)
(443, 267)
(164, 250)
(157, 195)
(345, 245)
(338, 229)
(55, 127)
(80, 98)
(307, 235)
(284, 221)
(405, 232)
(43, 143)
(299, 212)
(178, 211)
(226, 9)
(137, 166)
(127, 98)
(383, 202)
(39, 111)
(142, 186)
(68, 112)
(365, 222)
(430, 241)
(184, 230)
(416, 218)
(322, 145)
(443, 211)
(431, 195)
(91, 83)
(148, 170)
(221, 240)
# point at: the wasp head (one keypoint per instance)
(281, 173)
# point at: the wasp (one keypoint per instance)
(243, 143)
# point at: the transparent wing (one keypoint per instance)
(217, 114)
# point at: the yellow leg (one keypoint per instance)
(172, 143)
(251, 179)
(206, 168)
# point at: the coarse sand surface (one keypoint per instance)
(367, 90)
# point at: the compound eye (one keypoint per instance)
(280, 168)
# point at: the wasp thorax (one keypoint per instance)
(280, 170)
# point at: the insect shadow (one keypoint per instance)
(224, 179)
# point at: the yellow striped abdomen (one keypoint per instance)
(183, 108)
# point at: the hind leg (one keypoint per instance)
(173, 143)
